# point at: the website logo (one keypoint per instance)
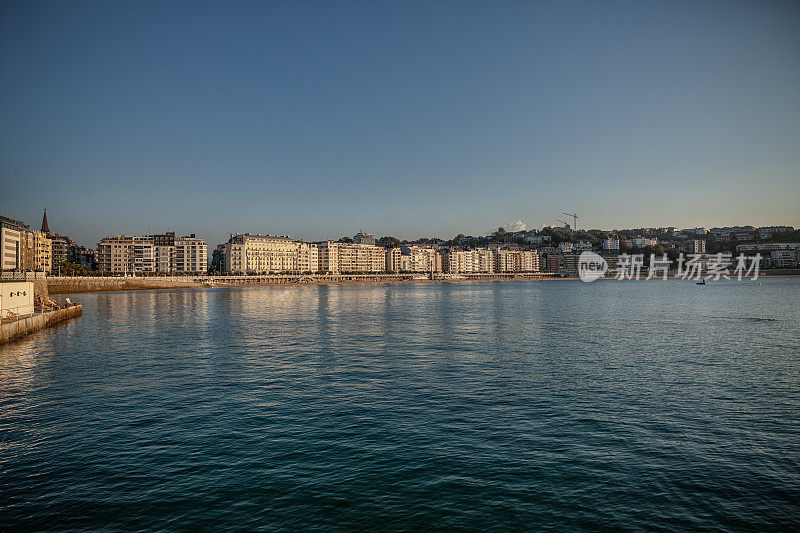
(591, 266)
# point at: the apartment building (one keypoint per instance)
(478, 261)
(115, 254)
(739, 233)
(12, 243)
(785, 258)
(694, 246)
(644, 242)
(611, 245)
(127, 253)
(37, 251)
(337, 257)
(412, 259)
(516, 261)
(191, 255)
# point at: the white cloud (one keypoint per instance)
(516, 226)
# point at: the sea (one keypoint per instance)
(556, 405)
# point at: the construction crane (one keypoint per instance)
(566, 224)
(574, 219)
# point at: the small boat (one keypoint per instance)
(701, 282)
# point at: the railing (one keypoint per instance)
(22, 276)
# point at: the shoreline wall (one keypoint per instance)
(24, 326)
(88, 284)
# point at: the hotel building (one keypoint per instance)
(246, 253)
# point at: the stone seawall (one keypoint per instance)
(71, 285)
(24, 326)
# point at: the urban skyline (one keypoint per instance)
(293, 119)
(216, 236)
(24, 248)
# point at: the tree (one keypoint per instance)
(389, 242)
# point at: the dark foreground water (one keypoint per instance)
(486, 406)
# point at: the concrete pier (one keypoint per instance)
(12, 329)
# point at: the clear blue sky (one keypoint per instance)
(317, 119)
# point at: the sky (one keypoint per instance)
(410, 119)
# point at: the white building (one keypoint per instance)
(695, 246)
(126, 253)
(766, 232)
(611, 245)
(11, 243)
(785, 258)
(565, 247)
(191, 255)
(412, 259)
(344, 257)
(246, 253)
(643, 242)
(16, 298)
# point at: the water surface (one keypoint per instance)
(557, 405)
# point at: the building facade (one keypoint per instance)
(12, 245)
(344, 257)
(121, 254)
(264, 254)
(412, 259)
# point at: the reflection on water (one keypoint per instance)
(490, 405)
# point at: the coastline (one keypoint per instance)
(59, 285)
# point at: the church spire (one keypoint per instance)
(45, 227)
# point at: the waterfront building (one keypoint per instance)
(37, 251)
(308, 257)
(479, 261)
(785, 258)
(163, 259)
(413, 258)
(393, 259)
(339, 257)
(115, 254)
(126, 253)
(246, 253)
(12, 243)
(552, 263)
(264, 254)
(61, 249)
(218, 259)
(191, 255)
(767, 247)
(508, 261)
(569, 264)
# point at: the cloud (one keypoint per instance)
(516, 226)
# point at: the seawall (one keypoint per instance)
(88, 284)
(64, 285)
(23, 326)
